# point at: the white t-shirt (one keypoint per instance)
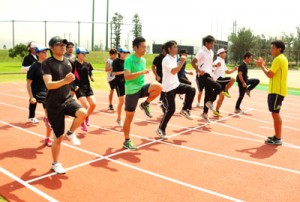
(109, 75)
(205, 60)
(169, 81)
(219, 71)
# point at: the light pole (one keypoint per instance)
(93, 24)
(106, 39)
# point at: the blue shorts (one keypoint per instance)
(275, 102)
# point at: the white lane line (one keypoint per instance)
(32, 188)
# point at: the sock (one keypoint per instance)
(146, 103)
(126, 140)
(69, 132)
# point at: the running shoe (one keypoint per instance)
(120, 122)
(273, 141)
(146, 109)
(205, 117)
(73, 138)
(225, 93)
(217, 113)
(111, 107)
(161, 134)
(48, 142)
(58, 168)
(186, 114)
(83, 127)
(210, 105)
(238, 111)
(33, 120)
(129, 145)
(87, 121)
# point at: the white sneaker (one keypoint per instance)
(33, 120)
(161, 134)
(238, 111)
(187, 114)
(210, 105)
(58, 168)
(120, 123)
(199, 105)
(205, 117)
(73, 138)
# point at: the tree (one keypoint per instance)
(19, 49)
(117, 22)
(241, 42)
(137, 26)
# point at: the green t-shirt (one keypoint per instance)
(134, 64)
(278, 84)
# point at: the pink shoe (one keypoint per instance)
(48, 142)
(87, 121)
(83, 127)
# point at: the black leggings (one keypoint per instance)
(169, 102)
(252, 83)
(212, 89)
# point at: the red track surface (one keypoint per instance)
(224, 160)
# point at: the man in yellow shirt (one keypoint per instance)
(277, 86)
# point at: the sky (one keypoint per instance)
(186, 21)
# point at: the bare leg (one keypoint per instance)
(277, 124)
(199, 96)
(220, 101)
(127, 123)
(55, 149)
(92, 104)
(120, 105)
(110, 97)
(80, 116)
(154, 91)
(228, 86)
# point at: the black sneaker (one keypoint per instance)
(146, 109)
(273, 141)
(111, 107)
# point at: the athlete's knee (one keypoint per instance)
(81, 113)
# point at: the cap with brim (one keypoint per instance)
(81, 50)
(57, 40)
(40, 48)
(221, 50)
(123, 50)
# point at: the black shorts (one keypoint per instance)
(84, 92)
(199, 83)
(56, 115)
(40, 96)
(223, 81)
(120, 88)
(112, 84)
(132, 99)
(275, 102)
(185, 80)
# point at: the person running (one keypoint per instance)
(30, 58)
(118, 72)
(245, 84)
(172, 86)
(27, 62)
(110, 77)
(57, 75)
(83, 71)
(36, 87)
(277, 87)
(135, 87)
(204, 58)
(69, 53)
(219, 76)
(157, 70)
(182, 72)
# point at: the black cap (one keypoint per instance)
(57, 40)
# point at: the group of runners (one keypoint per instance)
(56, 81)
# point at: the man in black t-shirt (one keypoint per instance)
(243, 81)
(118, 71)
(57, 75)
(157, 69)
